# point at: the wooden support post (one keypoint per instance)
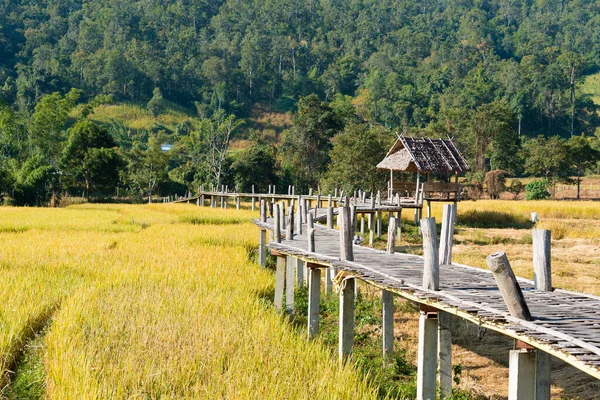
(329, 217)
(521, 375)
(431, 268)
(276, 224)
(379, 223)
(346, 234)
(352, 222)
(346, 333)
(237, 202)
(427, 356)
(444, 354)
(399, 225)
(542, 273)
(447, 235)
(391, 235)
(428, 208)
(262, 248)
(362, 223)
(310, 232)
(289, 226)
(542, 277)
(329, 280)
(371, 229)
(314, 299)
(508, 285)
(299, 216)
(300, 272)
(282, 219)
(279, 283)
(387, 299)
(289, 284)
(263, 210)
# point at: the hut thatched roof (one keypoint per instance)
(424, 154)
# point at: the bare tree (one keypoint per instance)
(219, 134)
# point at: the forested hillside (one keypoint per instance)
(489, 73)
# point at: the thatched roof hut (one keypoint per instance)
(424, 155)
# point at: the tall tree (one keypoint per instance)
(582, 155)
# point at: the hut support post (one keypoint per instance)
(427, 356)
(314, 297)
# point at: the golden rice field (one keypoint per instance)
(152, 301)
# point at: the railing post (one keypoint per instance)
(280, 270)
(391, 235)
(542, 275)
(329, 217)
(508, 285)
(310, 231)
(542, 272)
(346, 334)
(447, 235)
(428, 323)
(431, 270)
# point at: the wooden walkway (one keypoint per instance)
(566, 324)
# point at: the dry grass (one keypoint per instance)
(154, 301)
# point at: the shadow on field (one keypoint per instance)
(493, 219)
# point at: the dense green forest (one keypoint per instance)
(502, 77)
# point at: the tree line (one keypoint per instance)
(501, 77)
(59, 150)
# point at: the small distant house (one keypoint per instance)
(424, 156)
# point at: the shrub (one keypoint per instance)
(495, 182)
(537, 190)
(516, 187)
